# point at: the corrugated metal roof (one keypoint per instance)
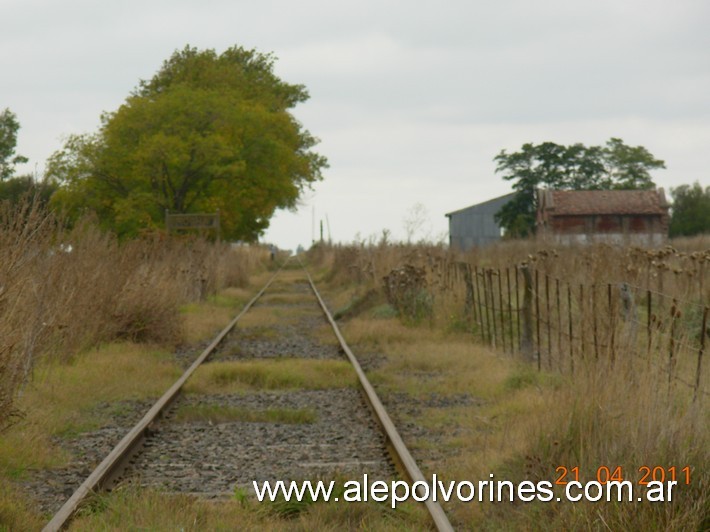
(585, 202)
(505, 197)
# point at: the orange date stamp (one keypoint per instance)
(642, 475)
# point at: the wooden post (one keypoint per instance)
(477, 290)
(517, 308)
(549, 324)
(510, 312)
(703, 335)
(675, 314)
(594, 321)
(701, 277)
(502, 312)
(612, 323)
(469, 308)
(582, 320)
(648, 323)
(488, 282)
(629, 315)
(526, 342)
(559, 325)
(537, 318)
(569, 320)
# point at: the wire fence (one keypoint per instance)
(563, 326)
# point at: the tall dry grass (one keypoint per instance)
(631, 400)
(680, 269)
(64, 290)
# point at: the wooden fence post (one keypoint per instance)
(612, 323)
(569, 321)
(526, 343)
(703, 334)
(477, 296)
(469, 308)
(649, 315)
(629, 314)
(510, 312)
(581, 321)
(594, 321)
(559, 325)
(549, 321)
(488, 282)
(537, 318)
(675, 314)
(502, 312)
(518, 309)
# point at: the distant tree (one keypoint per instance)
(207, 132)
(415, 220)
(629, 167)
(576, 167)
(690, 210)
(16, 189)
(9, 126)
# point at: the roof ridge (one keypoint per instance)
(589, 202)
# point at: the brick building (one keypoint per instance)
(638, 217)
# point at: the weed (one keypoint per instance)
(383, 312)
(241, 495)
(289, 509)
(358, 304)
(523, 377)
(286, 373)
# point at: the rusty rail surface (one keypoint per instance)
(102, 475)
(397, 446)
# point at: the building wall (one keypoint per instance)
(642, 230)
(475, 226)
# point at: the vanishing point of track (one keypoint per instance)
(117, 460)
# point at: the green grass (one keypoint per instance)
(278, 374)
(63, 399)
(133, 508)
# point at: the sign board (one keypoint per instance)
(203, 221)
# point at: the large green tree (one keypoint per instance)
(9, 126)
(576, 167)
(690, 211)
(209, 131)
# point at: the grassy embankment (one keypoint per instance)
(505, 418)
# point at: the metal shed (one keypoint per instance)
(475, 226)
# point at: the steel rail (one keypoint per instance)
(402, 454)
(103, 472)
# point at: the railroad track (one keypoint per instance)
(205, 458)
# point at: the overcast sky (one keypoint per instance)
(411, 99)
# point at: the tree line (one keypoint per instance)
(613, 166)
(215, 132)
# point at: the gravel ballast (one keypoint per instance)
(213, 459)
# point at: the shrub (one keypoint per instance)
(65, 290)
